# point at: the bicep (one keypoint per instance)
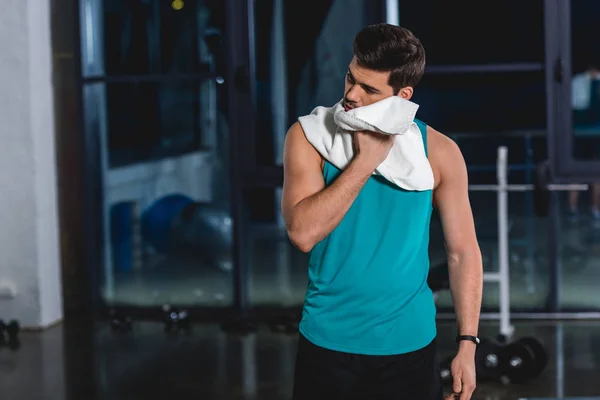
(451, 199)
(302, 174)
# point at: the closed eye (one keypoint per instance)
(368, 89)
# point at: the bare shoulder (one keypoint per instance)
(295, 136)
(445, 156)
(297, 149)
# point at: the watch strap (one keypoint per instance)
(470, 338)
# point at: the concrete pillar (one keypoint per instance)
(30, 283)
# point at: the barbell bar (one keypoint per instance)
(553, 187)
(541, 188)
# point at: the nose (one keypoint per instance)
(353, 95)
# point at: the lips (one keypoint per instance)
(347, 107)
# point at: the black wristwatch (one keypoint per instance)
(473, 339)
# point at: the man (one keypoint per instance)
(368, 325)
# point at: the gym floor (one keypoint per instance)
(87, 361)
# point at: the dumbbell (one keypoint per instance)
(120, 323)
(12, 330)
(488, 362)
(524, 360)
(489, 357)
(2, 333)
(284, 324)
(9, 334)
(176, 320)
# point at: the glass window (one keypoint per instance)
(294, 73)
(483, 102)
(297, 72)
(528, 234)
(579, 212)
(579, 239)
(148, 121)
(279, 271)
(161, 131)
(162, 37)
(585, 82)
(477, 32)
(168, 229)
(528, 255)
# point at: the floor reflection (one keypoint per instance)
(77, 361)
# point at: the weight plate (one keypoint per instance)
(540, 354)
(518, 363)
(488, 360)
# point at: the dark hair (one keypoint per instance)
(385, 47)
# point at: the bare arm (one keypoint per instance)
(451, 197)
(464, 256)
(311, 210)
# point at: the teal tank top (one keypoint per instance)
(367, 281)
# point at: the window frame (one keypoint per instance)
(565, 167)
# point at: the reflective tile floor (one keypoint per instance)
(85, 361)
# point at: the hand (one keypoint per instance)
(372, 148)
(463, 374)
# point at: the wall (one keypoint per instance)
(29, 252)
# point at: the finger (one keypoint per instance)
(457, 383)
(467, 392)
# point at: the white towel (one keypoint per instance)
(329, 129)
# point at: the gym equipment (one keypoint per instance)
(12, 329)
(523, 360)
(489, 357)
(513, 362)
(120, 323)
(287, 324)
(542, 187)
(157, 220)
(9, 334)
(176, 320)
(206, 232)
(504, 359)
(176, 224)
(2, 333)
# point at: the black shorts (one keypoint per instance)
(327, 374)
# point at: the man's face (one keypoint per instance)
(364, 86)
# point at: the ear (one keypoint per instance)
(406, 93)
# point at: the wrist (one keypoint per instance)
(467, 346)
(364, 164)
(467, 342)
